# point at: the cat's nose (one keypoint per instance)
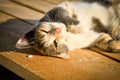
(58, 30)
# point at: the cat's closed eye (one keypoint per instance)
(44, 31)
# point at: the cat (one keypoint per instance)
(80, 24)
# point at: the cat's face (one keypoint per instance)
(48, 38)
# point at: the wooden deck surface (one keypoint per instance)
(17, 17)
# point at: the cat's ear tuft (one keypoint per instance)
(62, 55)
(22, 43)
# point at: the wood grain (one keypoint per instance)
(58, 1)
(38, 5)
(84, 64)
(20, 11)
(114, 56)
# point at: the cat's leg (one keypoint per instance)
(76, 29)
(106, 43)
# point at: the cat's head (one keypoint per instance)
(47, 38)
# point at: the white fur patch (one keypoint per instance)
(82, 40)
(86, 11)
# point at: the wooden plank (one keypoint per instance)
(83, 65)
(114, 56)
(55, 1)
(20, 11)
(19, 70)
(59, 1)
(38, 5)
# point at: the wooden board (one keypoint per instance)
(58, 1)
(17, 19)
(55, 1)
(114, 56)
(83, 65)
(38, 5)
(20, 11)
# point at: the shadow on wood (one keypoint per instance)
(10, 32)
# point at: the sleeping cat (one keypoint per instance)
(73, 25)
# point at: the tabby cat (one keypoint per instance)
(77, 24)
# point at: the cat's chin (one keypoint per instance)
(62, 55)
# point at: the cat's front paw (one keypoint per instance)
(114, 46)
(73, 29)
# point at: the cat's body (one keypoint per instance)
(94, 22)
(83, 40)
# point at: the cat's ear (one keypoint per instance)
(62, 55)
(22, 43)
